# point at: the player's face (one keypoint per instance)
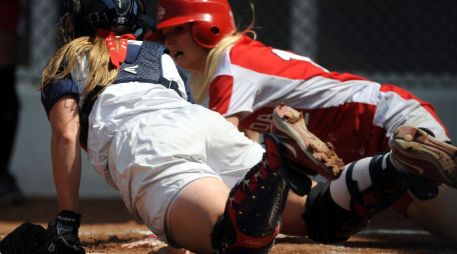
(183, 49)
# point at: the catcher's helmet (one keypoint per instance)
(212, 19)
(85, 17)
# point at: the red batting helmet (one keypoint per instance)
(212, 19)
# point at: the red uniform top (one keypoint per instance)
(356, 115)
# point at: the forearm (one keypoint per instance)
(66, 164)
(406, 109)
(253, 135)
(66, 152)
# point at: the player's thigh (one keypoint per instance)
(152, 159)
(437, 215)
(194, 211)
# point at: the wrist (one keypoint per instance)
(67, 217)
(68, 221)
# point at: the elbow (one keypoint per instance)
(66, 139)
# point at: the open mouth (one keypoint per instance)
(178, 54)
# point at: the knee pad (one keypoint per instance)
(326, 221)
(251, 219)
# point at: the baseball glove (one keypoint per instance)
(23, 239)
(61, 236)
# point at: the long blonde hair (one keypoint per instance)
(199, 81)
(100, 71)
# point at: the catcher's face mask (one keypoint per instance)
(65, 28)
(86, 17)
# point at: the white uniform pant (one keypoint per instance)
(155, 155)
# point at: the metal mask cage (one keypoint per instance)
(66, 28)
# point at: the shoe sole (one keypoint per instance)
(324, 160)
(412, 145)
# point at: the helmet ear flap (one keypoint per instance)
(206, 34)
(203, 33)
(211, 19)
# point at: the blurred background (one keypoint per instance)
(410, 43)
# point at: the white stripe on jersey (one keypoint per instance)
(257, 90)
(317, 92)
(392, 111)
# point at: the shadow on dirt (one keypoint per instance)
(42, 210)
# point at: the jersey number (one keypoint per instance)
(261, 123)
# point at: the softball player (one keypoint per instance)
(181, 169)
(244, 80)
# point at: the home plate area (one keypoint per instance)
(107, 227)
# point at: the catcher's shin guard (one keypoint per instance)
(251, 220)
(386, 188)
(328, 222)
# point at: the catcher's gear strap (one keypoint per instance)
(69, 220)
(251, 220)
(143, 63)
(386, 188)
(326, 221)
(146, 67)
(84, 112)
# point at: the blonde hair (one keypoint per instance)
(101, 71)
(199, 81)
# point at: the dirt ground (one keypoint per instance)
(107, 226)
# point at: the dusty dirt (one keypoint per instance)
(107, 226)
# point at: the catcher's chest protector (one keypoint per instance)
(143, 63)
(146, 67)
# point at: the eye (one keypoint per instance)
(172, 31)
(178, 29)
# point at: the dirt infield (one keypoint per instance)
(107, 226)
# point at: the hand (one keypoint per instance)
(61, 236)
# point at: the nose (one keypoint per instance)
(168, 41)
